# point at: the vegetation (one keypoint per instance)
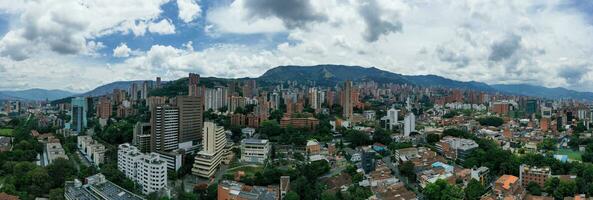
(441, 190)
(491, 121)
(6, 132)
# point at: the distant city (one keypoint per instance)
(210, 138)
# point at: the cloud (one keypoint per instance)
(189, 10)
(121, 51)
(504, 49)
(456, 57)
(162, 27)
(375, 25)
(294, 13)
(574, 73)
(233, 18)
(64, 27)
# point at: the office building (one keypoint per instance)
(190, 122)
(368, 159)
(207, 160)
(147, 170)
(164, 128)
(409, 124)
(254, 150)
(78, 115)
(158, 82)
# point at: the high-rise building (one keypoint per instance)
(347, 100)
(134, 92)
(531, 106)
(144, 91)
(78, 117)
(215, 98)
(409, 124)
(194, 90)
(158, 82)
(250, 88)
(141, 137)
(164, 128)
(207, 160)
(390, 120)
(104, 108)
(147, 170)
(190, 122)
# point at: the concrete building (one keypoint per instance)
(164, 128)
(147, 170)
(104, 108)
(5, 144)
(96, 187)
(207, 161)
(254, 150)
(368, 159)
(409, 124)
(480, 174)
(347, 103)
(456, 148)
(235, 190)
(92, 150)
(215, 98)
(190, 122)
(141, 137)
(52, 151)
(301, 122)
(313, 147)
(78, 114)
(534, 174)
(193, 88)
(391, 119)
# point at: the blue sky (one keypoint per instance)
(77, 45)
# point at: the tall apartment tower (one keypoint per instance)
(194, 90)
(409, 124)
(164, 128)
(209, 158)
(347, 100)
(104, 108)
(190, 122)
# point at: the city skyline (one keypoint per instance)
(95, 43)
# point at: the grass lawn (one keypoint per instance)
(573, 155)
(249, 170)
(6, 132)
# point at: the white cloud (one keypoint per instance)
(234, 19)
(122, 51)
(189, 10)
(162, 27)
(64, 26)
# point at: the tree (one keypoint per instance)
(407, 169)
(491, 121)
(474, 190)
(548, 144)
(534, 189)
(292, 196)
(432, 138)
(60, 170)
(442, 190)
(56, 194)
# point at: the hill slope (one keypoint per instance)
(35, 94)
(539, 91)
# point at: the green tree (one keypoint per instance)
(292, 196)
(491, 121)
(474, 190)
(407, 170)
(60, 170)
(56, 194)
(534, 189)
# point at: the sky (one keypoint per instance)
(77, 45)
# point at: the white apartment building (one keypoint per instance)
(92, 150)
(254, 150)
(147, 170)
(207, 161)
(409, 124)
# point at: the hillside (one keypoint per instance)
(35, 94)
(539, 91)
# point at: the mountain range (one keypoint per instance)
(330, 75)
(35, 94)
